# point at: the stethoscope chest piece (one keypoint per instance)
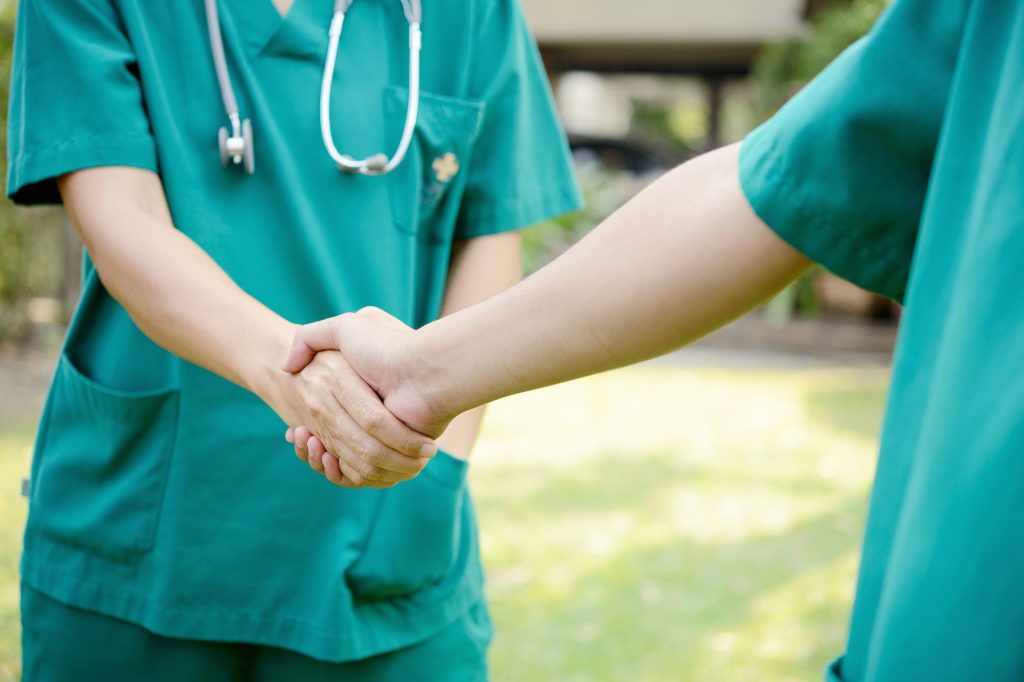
(237, 147)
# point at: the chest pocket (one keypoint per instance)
(427, 187)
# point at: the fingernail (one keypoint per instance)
(323, 459)
(428, 450)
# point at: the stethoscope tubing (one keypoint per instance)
(236, 147)
(378, 164)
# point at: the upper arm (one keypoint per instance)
(98, 200)
(481, 268)
(76, 98)
(519, 171)
(841, 171)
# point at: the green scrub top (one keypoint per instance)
(901, 167)
(166, 496)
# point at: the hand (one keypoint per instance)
(380, 349)
(370, 447)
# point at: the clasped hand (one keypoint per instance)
(360, 419)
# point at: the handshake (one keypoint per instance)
(355, 389)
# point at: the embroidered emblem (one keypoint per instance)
(445, 167)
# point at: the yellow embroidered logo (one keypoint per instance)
(445, 167)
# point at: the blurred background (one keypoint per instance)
(693, 518)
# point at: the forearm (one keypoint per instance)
(683, 258)
(481, 268)
(175, 293)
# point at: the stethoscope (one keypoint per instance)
(236, 144)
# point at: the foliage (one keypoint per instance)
(604, 190)
(31, 246)
(781, 69)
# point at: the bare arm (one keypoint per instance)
(481, 268)
(681, 259)
(180, 298)
(204, 317)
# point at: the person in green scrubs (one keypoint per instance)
(901, 168)
(170, 535)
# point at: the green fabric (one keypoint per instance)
(901, 167)
(166, 496)
(62, 643)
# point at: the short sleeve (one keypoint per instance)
(520, 170)
(842, 170)
(76, 100)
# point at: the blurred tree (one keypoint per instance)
(604, 190)
(31, 246)
(780, 70)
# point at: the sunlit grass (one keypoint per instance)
(666, 523)
(656, 523)
(15, 442)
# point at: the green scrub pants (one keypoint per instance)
(64, 644)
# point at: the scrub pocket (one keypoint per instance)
(426, 188)
(103, 460)
(415, 537)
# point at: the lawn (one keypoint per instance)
(658, 523)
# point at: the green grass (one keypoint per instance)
(656, 523)
(15, 444)
(665, 523)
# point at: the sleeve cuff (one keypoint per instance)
(32, 176)
(781, 201)
(482, 219)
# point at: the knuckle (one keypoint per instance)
(371, 419)
(377, 457)
(412, 446)
(368, 472)
(365, 449)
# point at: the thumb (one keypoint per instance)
(309, 340)
(383, 318)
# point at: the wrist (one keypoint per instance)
(260, 368)
(435, 374)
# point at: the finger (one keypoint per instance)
(350, 441)
(308, 341)
(302, 435)
(369, 413)
(289, 435)
(351, 475)
(355, 477)
(332, 470)
(383, 317)
(316, 453)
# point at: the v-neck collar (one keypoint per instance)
(302, 31)
(283, 15)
